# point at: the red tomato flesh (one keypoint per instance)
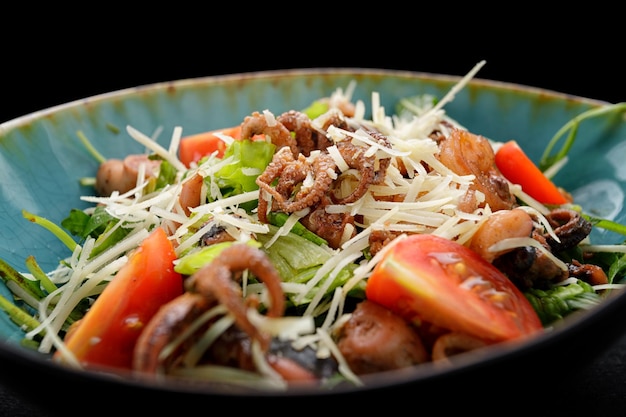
(430, 278)
(518, 168)
(192, 148)
(107, 334)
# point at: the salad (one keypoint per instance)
(317, 246)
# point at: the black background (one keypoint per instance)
(63, 55)
(56, 60)
(38, 78)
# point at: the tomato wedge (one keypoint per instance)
(430, 278)
(518, 168)
(192, 148)
(107, 334)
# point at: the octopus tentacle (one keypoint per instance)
(279, 162)
(220, 279)
(170, 321)
(329, 226)
(257, 124)
(569, 226)
(355, 158)
(383, 163)
(300, 124)
(215, 283)
(290, 171)
(372, 170)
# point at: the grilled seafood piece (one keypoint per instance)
(218, 283)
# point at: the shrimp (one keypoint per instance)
(468, 154)
(121, 175)
(500, 225)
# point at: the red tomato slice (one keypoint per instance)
(192, 148)
(430, 278)
(106, 336)
(518, 168)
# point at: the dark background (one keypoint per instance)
(70, 59)
(61, 56)
(54, 76)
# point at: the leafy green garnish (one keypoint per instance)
(278, 219)
(197, 259)
(606, 224)
(90, 148)
(51, 227)
(18, 315)
(316, 109)
(249, 160)
(167, 174)
(95, 225)
(547, 159)
(295, 252)
(29, 286)
(83, 225)
(32, 291)
(617, 270)
(39, 274)
(561, 300)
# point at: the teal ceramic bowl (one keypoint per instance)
(42, 160)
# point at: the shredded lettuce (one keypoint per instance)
(200, 257)
(250, 158)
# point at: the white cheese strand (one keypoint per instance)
(156, 148)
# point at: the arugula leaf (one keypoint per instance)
(561, 300)
(617, 269)
(84, 225)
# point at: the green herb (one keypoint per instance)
(249, 160)
(547, 159)
(561, 300)
(29, 286)
(51, 227)
(92, 150)
(278, 219)
(39, 275)
(606, 224)
(19, 316)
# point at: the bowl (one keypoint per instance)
(43, 160)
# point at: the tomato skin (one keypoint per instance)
(107, 334)
(192, 148)
(518, 168)
(430, 278)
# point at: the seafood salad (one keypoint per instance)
(314, 247)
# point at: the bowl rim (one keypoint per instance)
(476, 81)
